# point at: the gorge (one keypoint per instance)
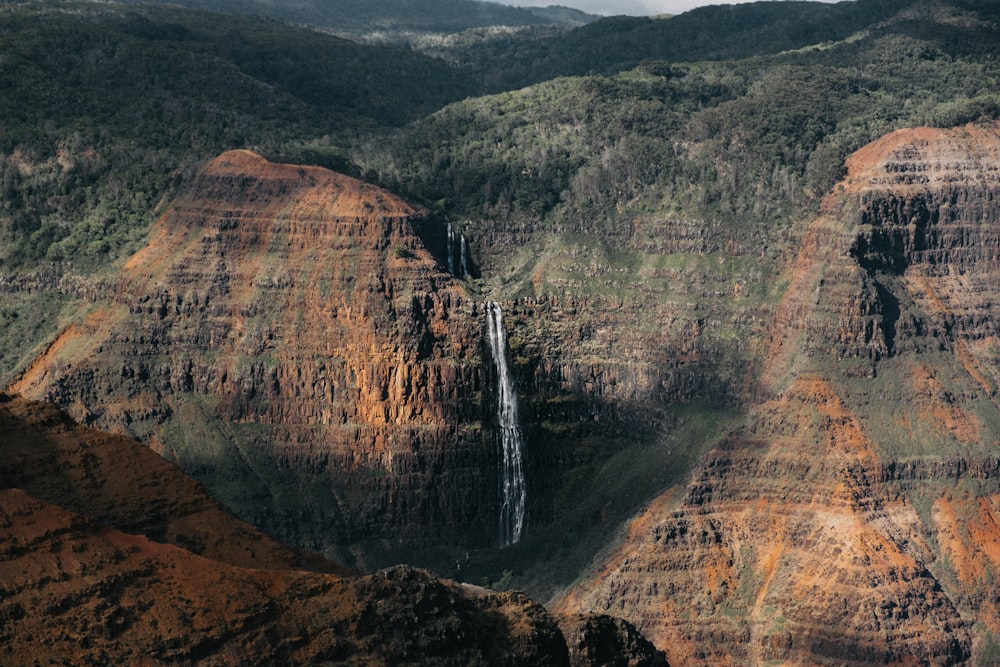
(808, 500)
(321, 350)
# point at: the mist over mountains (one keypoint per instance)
(357, 16)
(743, 259)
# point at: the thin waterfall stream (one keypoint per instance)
(451, 250)
(452, 237)
(465, 268)
(512, 489)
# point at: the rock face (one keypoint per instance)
(112, 480)
(94, 592)
(605, 640)
(851, 518)
(286, 337)
(283, 329)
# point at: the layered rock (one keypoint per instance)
(785, 547)
(622, 341)
(284, 329)
(89, 586)
(111, 479)
(928, 213)
(850, 520)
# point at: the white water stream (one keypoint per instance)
(512, 472)
(451, 250)
(465, 268)
(462, 265)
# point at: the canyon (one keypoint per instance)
(658, 339)
(812, 432)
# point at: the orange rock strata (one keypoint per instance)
(114, 580)
(852, 519)
(283, 327)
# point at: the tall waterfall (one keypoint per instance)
(451, 250)
(512, 472)
(465, 268)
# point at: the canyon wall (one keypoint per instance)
(825, 419)
(111, 555)
(851, 517)
(287, 339)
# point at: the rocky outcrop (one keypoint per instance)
(98, 566)
(927, 213)
(285, 328)
(111, 479)
(604, 640)
(851, 519)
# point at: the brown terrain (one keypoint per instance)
(285, 328)
(852, 518)
(110, 555)
(825, 420)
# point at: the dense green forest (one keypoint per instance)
(715, 139)
(105, 107)
(397, 16)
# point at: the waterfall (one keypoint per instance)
(451, 250)
(512, 472)
(462, 265)
(465, 269)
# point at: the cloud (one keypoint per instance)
(630, 7)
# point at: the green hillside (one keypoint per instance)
(710, 138)
(370, 16)
(105, 106)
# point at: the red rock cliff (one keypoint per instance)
(852, 518)
(285, 328)
(110, 555)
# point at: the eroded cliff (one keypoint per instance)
(287, 339)
(850, 518)
(110, 555)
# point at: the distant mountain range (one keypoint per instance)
(369, 16)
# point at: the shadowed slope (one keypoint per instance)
(116, 481)
(114, 580)
(851, 519)
(78, 591)
(285, 328)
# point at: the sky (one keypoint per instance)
(630, 7)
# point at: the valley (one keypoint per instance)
(695, 334)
